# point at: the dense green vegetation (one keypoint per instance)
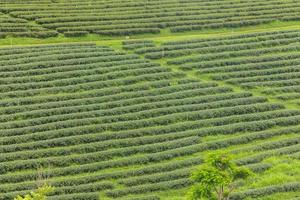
(267, 60)
(216, 179)
(263, 63)
(39, 194)
(148, 91)
(18, 27)
(94, 119)
(127, 17)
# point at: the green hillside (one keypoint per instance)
(127, 17)
(122, 100)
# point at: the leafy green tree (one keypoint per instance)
(215, 180)
(39, 194)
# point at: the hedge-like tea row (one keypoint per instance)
(260, 156)
(75, 196)
(199, 44)
(148, 188)
(255, 193)
(95, 157)
(273, 145)
(75, 181)
(128, 18)
(267, 60)
(198, 48)
(16, 27)
(83, 115)
(152, 197)
(137, 44)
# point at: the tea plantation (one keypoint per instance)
(123, 99)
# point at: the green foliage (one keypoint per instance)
(121, 125)
(284, 170)
(39, 194)
(255, 193)
(100, 17)
(256, 60)
(216, 178)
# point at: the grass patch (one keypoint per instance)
(164, 36)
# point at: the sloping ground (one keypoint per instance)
(94, 122)
(16, 27)
(264, 63)
(267, 62)
(127, 17)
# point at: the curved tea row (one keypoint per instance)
(78, 18)
(94, 122)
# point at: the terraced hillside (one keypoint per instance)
(123, 99)
(128, 17)
(266, 62)
(17, 27)
(98, 122)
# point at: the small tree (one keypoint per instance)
(39, 194)
(216, 178)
